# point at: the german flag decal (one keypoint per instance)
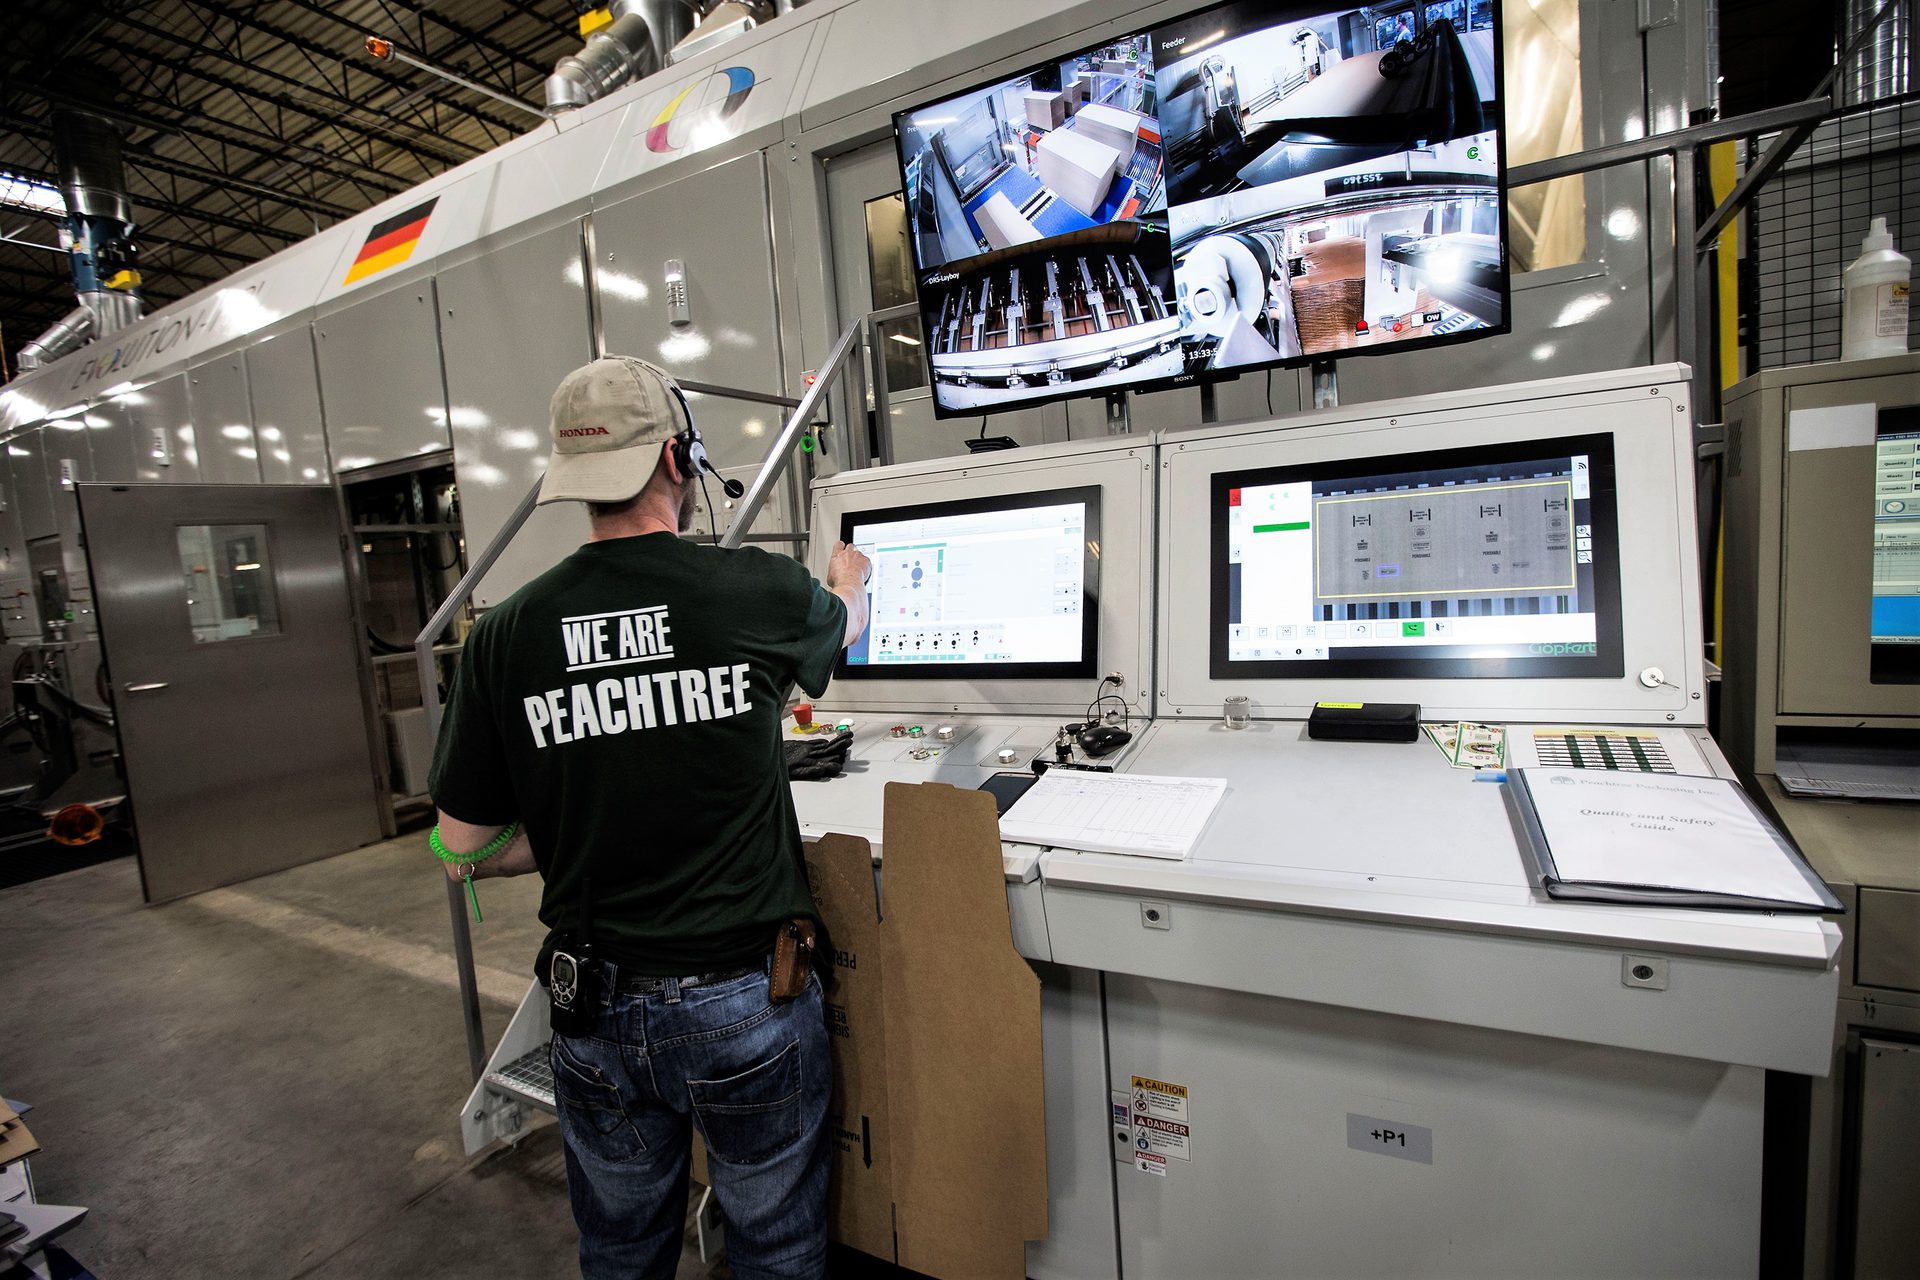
(390, 242)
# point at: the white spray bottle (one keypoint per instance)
(1874, 321)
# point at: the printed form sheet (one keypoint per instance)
(1158, 817)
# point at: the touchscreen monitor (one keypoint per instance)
(1000, 587)
(1495, 560)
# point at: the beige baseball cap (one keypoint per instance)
(609, 417)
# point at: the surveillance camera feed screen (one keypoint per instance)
(1896, 548)
(1491, 561)
(1002, 587)
(1257, 184)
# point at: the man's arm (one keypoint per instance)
(465, 837)
(847, 575)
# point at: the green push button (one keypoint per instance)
(1413, 629)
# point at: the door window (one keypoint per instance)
(890, 269)
(228, 572)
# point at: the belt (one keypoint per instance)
(639, 986)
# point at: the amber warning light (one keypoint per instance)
(379, 48)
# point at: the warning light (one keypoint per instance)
(806, 444)
(811, 377)
(382, 49)
(1360, 326)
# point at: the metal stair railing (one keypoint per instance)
(779, 457)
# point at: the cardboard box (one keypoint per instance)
(16, 1143)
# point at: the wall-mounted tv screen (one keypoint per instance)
(1001, 587)
(1257, 184)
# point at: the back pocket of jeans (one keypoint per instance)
(751, 1116)
(592, 1110)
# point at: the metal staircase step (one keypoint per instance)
(529, 1077)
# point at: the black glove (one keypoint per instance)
(818, 758)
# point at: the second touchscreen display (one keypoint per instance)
(1495, 560)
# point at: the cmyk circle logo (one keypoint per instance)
(707, 101)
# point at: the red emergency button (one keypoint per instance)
(803, 715)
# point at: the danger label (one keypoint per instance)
(1159, 1099)
(1147, 1162)
(1161, 1137)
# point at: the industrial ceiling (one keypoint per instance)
(247, 124)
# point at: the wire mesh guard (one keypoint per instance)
(529, 1076)
(1808, 221)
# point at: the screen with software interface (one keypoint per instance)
(1002, 586)
(1497, 560)
(1896, 548)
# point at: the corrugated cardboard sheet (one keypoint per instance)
(937, 1118)
(15, 1142)
(860, 1196)
(962, 1042)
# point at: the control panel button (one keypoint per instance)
(944, 733)
(1007, 755)
(916, 731)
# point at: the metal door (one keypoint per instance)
(230, 634)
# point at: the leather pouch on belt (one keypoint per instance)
(792, 959)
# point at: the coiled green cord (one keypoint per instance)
(467, 861)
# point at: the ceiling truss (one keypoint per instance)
(250, 124)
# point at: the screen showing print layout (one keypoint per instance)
(1001, 587)
(1496, 560)
(1257, 184)
(1896, 548)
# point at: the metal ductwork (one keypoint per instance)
(98, 234)
(92, 174)
(722, 22)
(69, 333)
(646, 35)
(625, 50)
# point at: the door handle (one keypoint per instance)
(149, 687)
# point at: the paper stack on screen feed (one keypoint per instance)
(1154, 817)
(1658, 839)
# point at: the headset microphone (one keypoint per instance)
(691, 453)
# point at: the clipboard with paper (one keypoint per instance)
(1658, 840)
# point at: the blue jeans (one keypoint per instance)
(752, 1074)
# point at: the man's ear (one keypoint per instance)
(671, 461)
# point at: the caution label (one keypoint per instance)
(1147, 1162)
(1162, 1137)
(1159, 1099)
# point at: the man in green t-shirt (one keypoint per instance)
(624, 709)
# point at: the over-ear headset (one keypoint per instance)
(690, 455)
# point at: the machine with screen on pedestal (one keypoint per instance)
(1350, 1030)
(1395, 1053)
(1008, 591)
(1820, 710)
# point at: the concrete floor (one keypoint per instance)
(264, 1081)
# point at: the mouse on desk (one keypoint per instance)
(1103, 739)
